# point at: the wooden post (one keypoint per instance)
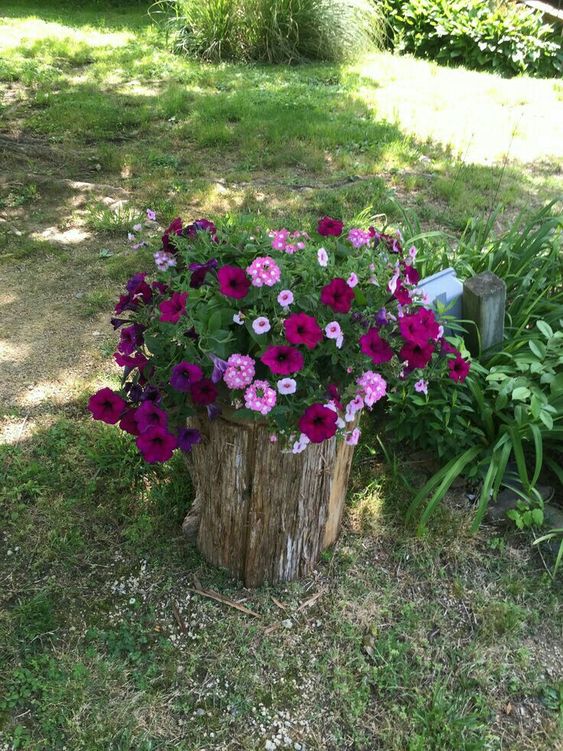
(484, 298)
(265, 514)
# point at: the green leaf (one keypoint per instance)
(545, 329)
(537, 516)
(521, 393)
(547, 419)
(538, 348)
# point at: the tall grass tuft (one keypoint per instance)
(272, 31)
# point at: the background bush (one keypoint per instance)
(272, 31)
(504, 37)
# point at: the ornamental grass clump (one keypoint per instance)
(271, 31)
(300, 331)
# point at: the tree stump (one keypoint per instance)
(265, 515)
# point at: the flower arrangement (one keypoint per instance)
(300, 331)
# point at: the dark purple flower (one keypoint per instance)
(156, 445)
(128, 422)
(199, 272)
(131, 338)
(151, 393)
(134, 392)
(191, 333)
(391, 243)
(401, 294)
(174, 228)
(187, 439)
(213, 411)
(411, 274)
(160, 287)
(184, 375)
(328, 226)
(106, 405)
(381, 317)
(204, 392)
(219, 367)
(375, 347)
(173, 309)
(148, 415)
(117, 322)
(201, 225)
(233, 282)
(318, 423)
(138, 360)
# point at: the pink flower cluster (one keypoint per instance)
(373, 387)
(359, 237)
(264, 271)
(288, 242)
(260, 397)
(239, 372)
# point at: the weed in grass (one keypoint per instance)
(118, 220)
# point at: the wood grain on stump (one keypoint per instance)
(265, 515)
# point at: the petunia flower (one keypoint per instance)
(337, 295)
(352, 280)
(328, 226)
(188, 438)
(287, 386)
(199, 272)
(156, 445)
(416, 355)
(353, 437)
(301, 328)
(173, 309)
(375, 347)
(203, 392)
(148, 415)
(184, 375)
(318, 423)
(459, 369)
(285, 298)
(151, 215)
(283, 360)
(106, 405)
(233, 282)
(128, 422)
(261, 325)
(322, 257)
(421, 386)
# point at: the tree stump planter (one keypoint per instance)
(262, 514)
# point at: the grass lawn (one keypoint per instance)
(445, 643)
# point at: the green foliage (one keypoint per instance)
(504, 37)
(272, 31)
(512, 412)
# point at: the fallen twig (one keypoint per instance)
(198, 589)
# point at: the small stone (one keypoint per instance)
(270, 746)
(288, 623)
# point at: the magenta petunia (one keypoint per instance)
(328, 226)
(156, 445)
(283, 360)
(318, 423)
(128, 422)
(411, 274)
(416, 355)
(375, 347)
(106, 405)
(233, 282)
(148, 415)
(184, 375)
(301, 328)
(204, 392)
(338, 295)
(174, 228)
(188, 438)
(420, 327)
(401, 294)
(459, 369)
(173, 309)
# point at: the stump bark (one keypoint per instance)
(265, 515)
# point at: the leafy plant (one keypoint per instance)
(511, 416)
(503, 37)
(272, 31)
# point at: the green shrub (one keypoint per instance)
(271, 31)
(503, 37)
